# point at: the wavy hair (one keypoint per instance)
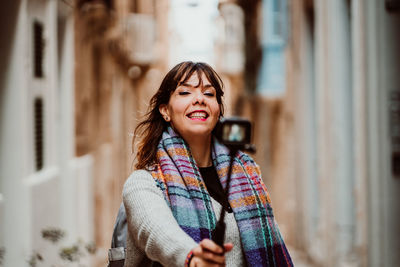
(150, 130)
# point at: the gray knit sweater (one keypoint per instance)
(154, 234)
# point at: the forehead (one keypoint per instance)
(195, 80)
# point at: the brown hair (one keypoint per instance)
(151, 128)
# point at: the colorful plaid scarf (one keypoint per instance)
(179, 178)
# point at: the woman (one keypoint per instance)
(174, 197)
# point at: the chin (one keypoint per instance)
(198, 133)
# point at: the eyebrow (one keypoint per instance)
(189, 85)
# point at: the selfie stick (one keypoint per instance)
(240, 129)
(218, 234)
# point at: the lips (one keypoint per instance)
(198, 114)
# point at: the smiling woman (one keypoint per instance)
(185, 83)
(173, 198)
(193, 111)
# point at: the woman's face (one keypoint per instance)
(193, 109)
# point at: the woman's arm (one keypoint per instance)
(155, 231)
(151, 224)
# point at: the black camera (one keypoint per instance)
(234, 132)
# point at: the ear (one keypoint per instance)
(163, 108)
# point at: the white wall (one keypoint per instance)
(335, 132)
(60, 194)
(356, 69)
(360, 144)
(14, 146)
(383, 68)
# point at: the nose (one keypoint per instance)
(198, 98)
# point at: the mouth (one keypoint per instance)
(198, 115)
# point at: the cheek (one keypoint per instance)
(176, 109)
(216, 109)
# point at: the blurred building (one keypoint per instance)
(329, 139)
(229, 52)
(121, 52)
(76, 75)
(42, 181)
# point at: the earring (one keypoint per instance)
(166, 118)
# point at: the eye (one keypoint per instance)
(183, 93)
(209, 93)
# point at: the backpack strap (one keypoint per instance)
(117, 252)
(120, 229)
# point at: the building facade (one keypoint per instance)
(333, 135)
(121, 53)
(76, 77)
(43, 182)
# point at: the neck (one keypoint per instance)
(201, 151)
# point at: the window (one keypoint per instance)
(277, 13)
(38, 133)
(271, 79)
(38, 49)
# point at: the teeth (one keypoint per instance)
(198, 115)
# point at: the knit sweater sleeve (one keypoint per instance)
(151, 224)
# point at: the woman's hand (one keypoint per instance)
(208, 253)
